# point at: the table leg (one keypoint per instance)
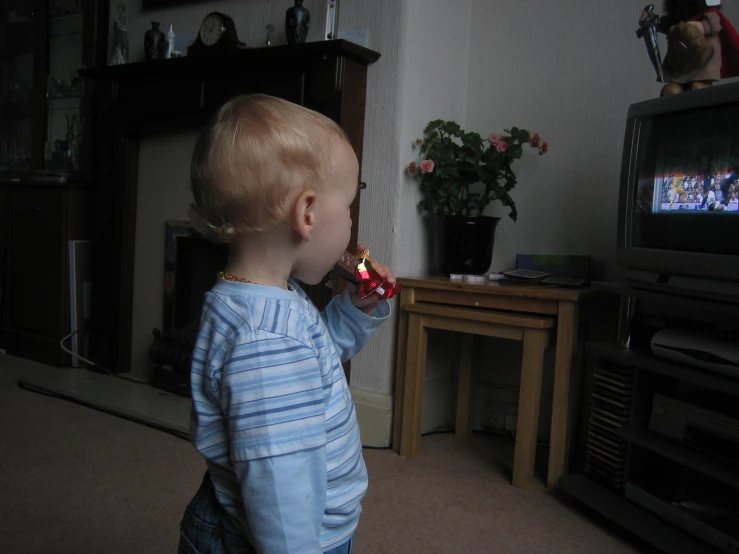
(527, 427)
(559, 451)
(462, 425)
(406, 297)
(415, 374)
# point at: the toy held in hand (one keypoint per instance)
(358, 269)
(702, 44)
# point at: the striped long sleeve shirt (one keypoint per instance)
(273, 415)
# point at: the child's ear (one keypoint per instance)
(304, 214)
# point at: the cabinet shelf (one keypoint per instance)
(683, 302)
(642, 523)
(647, 361)
(66, 14)
(712, 467)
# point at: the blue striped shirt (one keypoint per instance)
(273, 415)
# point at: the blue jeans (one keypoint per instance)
(207, 529)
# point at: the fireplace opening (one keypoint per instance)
(191, 266)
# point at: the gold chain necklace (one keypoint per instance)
(229, 277)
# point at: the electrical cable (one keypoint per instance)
(89, 362)
(39, 390)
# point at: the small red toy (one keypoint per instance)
(358, 269)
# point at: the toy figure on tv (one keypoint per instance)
(702, 44)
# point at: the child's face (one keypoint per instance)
(333, 222)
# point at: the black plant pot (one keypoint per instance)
(462, 245)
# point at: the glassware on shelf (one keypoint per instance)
(16, 84)
(13, 155)
(61, 88)
(60, 8)
(43, 100)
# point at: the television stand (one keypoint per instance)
(626, 470)
(720, 290)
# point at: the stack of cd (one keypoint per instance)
(605, 450)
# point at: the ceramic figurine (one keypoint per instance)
(702, 44)
(297, 20)
(119, 53)
(155, 43)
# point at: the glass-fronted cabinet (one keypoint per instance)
(18, 36)
(44, 130)
(45, 174)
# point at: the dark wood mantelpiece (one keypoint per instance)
(135, 99)
(297, 54)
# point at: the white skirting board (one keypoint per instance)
(374, 414)
(148, 405)
(137, 402)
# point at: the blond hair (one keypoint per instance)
(254, 156)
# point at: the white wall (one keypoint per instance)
(163, 193)
(569, 73)
(429, 81)
(373, 369)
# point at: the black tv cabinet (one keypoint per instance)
(642, 448)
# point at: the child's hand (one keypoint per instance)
(367, 305)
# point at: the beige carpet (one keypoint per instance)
(77, 481)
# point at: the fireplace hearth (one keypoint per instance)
(191, 265)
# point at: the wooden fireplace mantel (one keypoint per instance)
(136, 99)
(270, 56)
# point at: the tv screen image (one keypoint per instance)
(687, 181)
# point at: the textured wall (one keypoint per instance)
(421, 75)
(163, 193)
(569, 74)
(372, 369)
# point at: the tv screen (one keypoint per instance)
(687, 194)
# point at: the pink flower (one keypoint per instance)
(427, 166)
(495, 137)
(412, 168)
(544, 148)
(535, 140)
(501, 146)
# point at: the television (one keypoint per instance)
(678, 227)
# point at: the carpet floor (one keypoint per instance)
(77, 481)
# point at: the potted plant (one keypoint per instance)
(461, 174)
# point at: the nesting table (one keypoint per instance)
(536, 316)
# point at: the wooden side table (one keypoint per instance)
(519, 313)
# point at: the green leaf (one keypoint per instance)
(451, 127)
(463, 159)
(432, 126)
